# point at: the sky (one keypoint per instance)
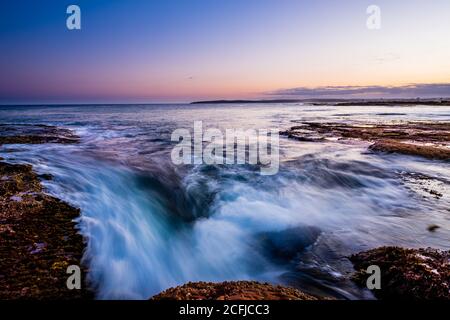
(140, 51)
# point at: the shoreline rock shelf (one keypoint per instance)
(38, 235)
(35, 134)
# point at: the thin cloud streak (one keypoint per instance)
(436, 90)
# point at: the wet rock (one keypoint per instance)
(435, 193)
(16, 179)
(283, 246)
(46, 176)
(323, 271)
(35, 134)
(424, 185)
(238, 290)
(406, 274)
(299, 133)
(6, 231)
(425, 139)
(433, 227)
(430, 152)
(32, 224)
(30, 239)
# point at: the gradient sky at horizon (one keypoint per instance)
(176, 50)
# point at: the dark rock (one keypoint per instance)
(283, 246)
(433, 228)
(46, 176)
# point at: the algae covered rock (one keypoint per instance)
(236, 290)
(406, 274)
(38, 235)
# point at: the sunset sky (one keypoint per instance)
(178, 50)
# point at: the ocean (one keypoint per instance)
(150, 224)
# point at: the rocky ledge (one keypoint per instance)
(35, 134)
(427, 139)
(38, 236)
(430, 152)
(237, 290)
(406, 274)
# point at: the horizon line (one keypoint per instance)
(229, 101)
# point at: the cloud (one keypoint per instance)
(386, 58)
(407, 91)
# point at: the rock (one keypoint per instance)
(35, 134)
(429, 152)
(425, 139)
(433, 228)
(406, 274)
(30, 234)
(237, 290)
(46, 176)
(60, 265)
(424, 185)
(283, 246)
(32, 224)
(6, 231)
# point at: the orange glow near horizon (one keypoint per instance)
(159, 52)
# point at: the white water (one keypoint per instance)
(150, 225)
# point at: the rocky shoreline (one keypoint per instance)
(38, 235)
(425, 139)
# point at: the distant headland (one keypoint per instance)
(248, 101)
(339, 102)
